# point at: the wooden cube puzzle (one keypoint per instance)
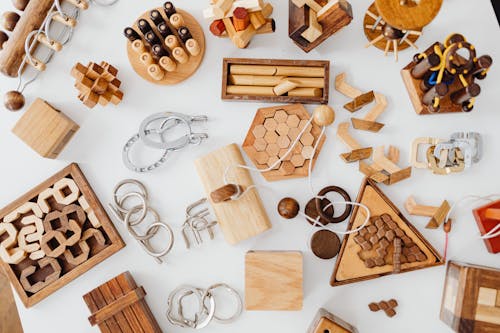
(471, 298)
(487, 218)
(97, 84)
(271, 135)
(326, 322)
(53, 234)
(273, 280)
(45, 129)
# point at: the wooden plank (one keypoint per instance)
(128, 312)
(109, 311)
(9, 317)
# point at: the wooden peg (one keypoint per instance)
(257, 19)
(368, 123)
(36, 63)
(51, 44)
(193, 47)
(226, 192)
(241, 19)
(177, 20)
(66, 20)
(171, 42)
(167, 64)
(357, 152)
(146, 58)
(180, 55)
(156, 72)
(437, 214)
(344, 88)
(285, 86)
(217, 28)
(138, 46)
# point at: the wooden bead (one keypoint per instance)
(226, 193)
(167, 64)
(171, 42)
(323, 115)
(20, 4)
(217, 28)
(3, 38)
(325, 244)
(288, 208)
(156, 72)
(176, 20)
(9, 20)
(193, 47)
(14, 100)
(180, 55)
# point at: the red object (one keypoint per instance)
(217, 27)
(486, 224)
(241, 19)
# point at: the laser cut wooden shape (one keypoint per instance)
(437, 214)
(357, 152)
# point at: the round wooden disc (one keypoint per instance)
(311, 211)
(183, 71)
(408, 17)
(381, 44)
(325, 244)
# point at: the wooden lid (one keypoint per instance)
(411, 16)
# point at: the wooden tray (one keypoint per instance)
(113, 242)
(275, 62)
(183, 71)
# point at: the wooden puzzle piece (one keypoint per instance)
(82, 250)
(8, 252)
(487, 220)
(325, 321)
(98, 243)
(357, 152)
(387, 306)
(59, 193)
(437, 214)
(360, 101)
(369, 123)
(344, 88)
(395, 173)
(23, 209)
(89, 211)
(30, 236)
(28, 272)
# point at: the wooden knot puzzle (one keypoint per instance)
(240, 20)
(272, 133)
(97, 84)
(311, 22)
(389, 307)
(53, 234)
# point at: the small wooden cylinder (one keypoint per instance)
(176, 20)
(466, 93)
(159, 51)
(171, 42)
(217, 28)
(138, 46)
(252, 69)
(35, 63)
(439, 90)
(180, 55)
(82, 4)
(144, 26)
(184, 34)
(51, 44)
(167, 64)
(156, 17)
(156, 72)
(67, 21)
(285, 87)
(483, 63)
(152, 38)
(146, 58)
(306, 92)
(257, 19)
(193, 47)
(250, 90)
(425, 65)
(241, 19)
(169, 9)
(164, 29)
(255, 80)
(300, 71)
(131, 34)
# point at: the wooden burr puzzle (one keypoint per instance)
(119, 306)
(53, 234)
(325, 321)
(282, 81)
(271, 135)
(311, 22)
(239, 20)
(165, 45)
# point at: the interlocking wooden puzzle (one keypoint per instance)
(53, 234)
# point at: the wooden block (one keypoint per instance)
(314, 30)
(238, 219)
(486, 224)
(469, 298)
(307, 3)
(45, 129)
(325, 321)
(360, 101)
(257, 19)
(366, 125)
(250, 5)
(273, 280)
(346, 89)
(298, 22)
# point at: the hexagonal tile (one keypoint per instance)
(282, 129)
(261, 157)
(260, 144)
(297, 149)
(297, 160)
(307, 139)
(271, 137)
(283, 141)
(273, 160)
(293, 121)
(259, 131)
(270, 124)
(307, 152)
(283, 152)
(293, 133)
(281, 116)
(303, 123)
(287, 168)
(272, 149)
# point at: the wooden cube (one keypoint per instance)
(45, 129)
(486, 223)
(325, 322)
(471, 298)
(273, 280)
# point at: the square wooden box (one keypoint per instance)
(97, 253)
(471, 298)
(485, 225)
(326, 322)
(275, 62)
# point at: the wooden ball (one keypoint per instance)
(3, 38)
(323, 115)
(20, 4)
(288, 208)
(10, 20)
(14, 100)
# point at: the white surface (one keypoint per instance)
(97, 147)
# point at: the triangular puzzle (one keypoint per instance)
(369, 253)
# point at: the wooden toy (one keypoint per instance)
(325, 321)
(238, 219)
(394, 25)
(97, 84)
(437, 214)
(442, 78)
(282, 81)
(45, 129)
(273, 280)
(62, 238)
(471, 298)
(384, 168)
(240, 20)
(325, 244)
(9, 317)
(119, 306)
(357, 152)
(487, 218)
(271, 135)
(368, 254)
(311, 22)
(165, 46)
(387, 306)
(288, 208)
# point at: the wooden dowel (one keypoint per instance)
(284, 87)
(439, 90)
(37, 64)
(177, 20)
(146, 58)
(193, 47)
(272, 80)
(257, 19)
(167, 64)
(156, 72)
(171, 42)
(138, 46)
(250, 90)
(278, 70)
(306, 92)
(68, 21)
(465, 93)
(425, 65)
(241, 19)
(180, 55)
(252, 69)
(52, 44)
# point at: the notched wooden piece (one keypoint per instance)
(360, 101)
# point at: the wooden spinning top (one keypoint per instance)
(14, 100)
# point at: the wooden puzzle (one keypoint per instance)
(437, 214)
(53, 234)
(369, 253)
(271, 80)
(238, 219)
(273, 280)
(119, 306)
(387, 306)
(326, 322)
(311, 22)
(97, 84)
(357, 152)
(45, 129)
(488, 218)
(240, 20)
(442, 79)
(471, 298)
(165, 45)
(384, 168)
(271, 135)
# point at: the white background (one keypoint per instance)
(97, 147)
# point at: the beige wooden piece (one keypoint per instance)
(414, 161)
(238, 219)
(369, 123)
(310, 3)
(273, 280)
(315, 30)
(357, 152)
(437, 214)
(23, 209)
(395, 172)
(344, 88)
(59, 195)
(9, 253)
(250, 5)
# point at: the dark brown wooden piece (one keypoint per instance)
(325, 244)
(225, 193)
(360, 101)
(288, 208)
(298, 22)
(387, 306)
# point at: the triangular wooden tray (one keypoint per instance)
(349, 268)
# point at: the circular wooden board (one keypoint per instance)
(408, 17)
(183, 71)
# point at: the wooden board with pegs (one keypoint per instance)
(55, 233)
(182, 70)
(353, 261)
(270, 136)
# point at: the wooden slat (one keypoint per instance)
(110, 311)
(93, 306)
(129, 313)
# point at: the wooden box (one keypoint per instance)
(326, 322)
(71, 225)
(486, 224)
(300, 65)
(45, 129)
(471, 298)
(118, 306)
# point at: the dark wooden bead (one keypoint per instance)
(131, 34)
(144, 26)
(3, 38)
(391, 32)
(20, 4)
(14, 100)
(325, 244)
(225, 193)
(164, 29)
(152, 38)
(156, 17)
(169, 9)
(288, 208)
(10, 20)
(184, 34)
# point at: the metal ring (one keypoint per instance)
(232, 291)
(141, 186)
(128, 163)
(147, 246)
(183, 322)
(149, 233)
(320, 207)
(168, 116)
(143, 205)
